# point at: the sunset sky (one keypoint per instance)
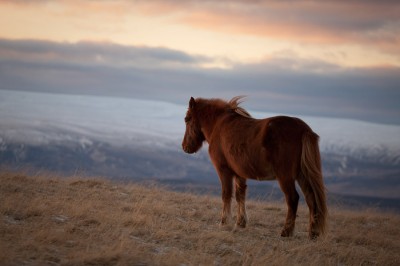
(329, 58)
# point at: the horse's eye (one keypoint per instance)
(187, 119)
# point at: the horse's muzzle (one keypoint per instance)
(187, 149)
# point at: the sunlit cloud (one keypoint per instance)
(365, 32)
(369, 26)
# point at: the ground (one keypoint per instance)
(80, 221)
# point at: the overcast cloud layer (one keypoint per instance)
(283, 83)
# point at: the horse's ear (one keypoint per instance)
(192, 103)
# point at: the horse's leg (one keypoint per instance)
(240, 194)
(288, 187)
(226, 191)
(309, 196)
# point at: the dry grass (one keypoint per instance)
(45, 221)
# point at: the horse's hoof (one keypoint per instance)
(241, 223)
(313, 235)
(286, 233)
(223, 225)
(237, 229)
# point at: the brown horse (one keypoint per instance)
(241, 147)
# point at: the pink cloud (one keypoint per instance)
(369, 24)
(364, 23)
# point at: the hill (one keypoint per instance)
(135, 139)
(79, 221)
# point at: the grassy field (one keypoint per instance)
(76, 221)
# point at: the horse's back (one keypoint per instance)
(284, 128)
(273, 134)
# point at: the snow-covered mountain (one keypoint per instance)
(136, 138)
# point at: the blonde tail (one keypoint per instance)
(312, 173)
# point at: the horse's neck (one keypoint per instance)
(209, 123)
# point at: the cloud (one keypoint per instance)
(355, 21)
(364, 23)
(280, 84)
(367, 32)
(96, 53)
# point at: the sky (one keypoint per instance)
(321, 58)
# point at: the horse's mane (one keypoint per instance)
(234, 105)
(209, 106)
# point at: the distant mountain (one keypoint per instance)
(138, 140)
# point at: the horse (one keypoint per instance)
(241, 147)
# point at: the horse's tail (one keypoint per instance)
(314, 186)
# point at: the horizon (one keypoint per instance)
(256, 113)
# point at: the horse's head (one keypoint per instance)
(194, 138)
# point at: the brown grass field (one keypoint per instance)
(78, 221)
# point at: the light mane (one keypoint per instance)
(234, 105)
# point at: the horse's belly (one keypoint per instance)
(265, 177)
(265, 173)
